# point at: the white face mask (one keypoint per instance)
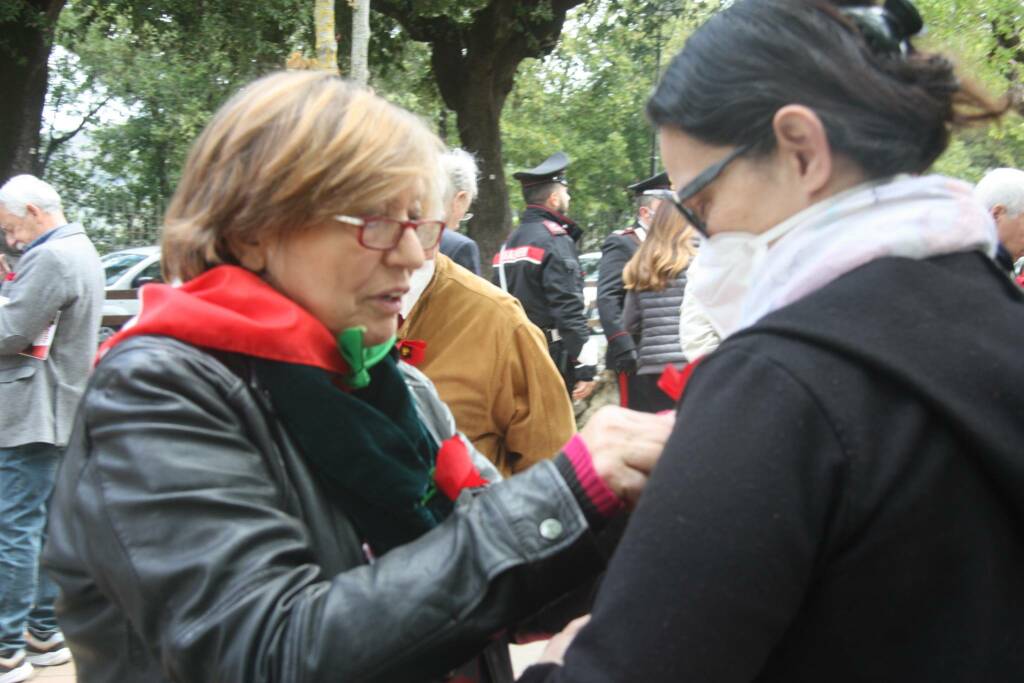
(723, 270)
(737, 278)
(418, 282)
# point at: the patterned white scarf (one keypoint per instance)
(910, 217)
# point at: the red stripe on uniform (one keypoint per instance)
(517, 254)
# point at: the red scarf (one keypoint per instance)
(228, 308)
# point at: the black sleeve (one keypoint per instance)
(467, 255)
(631, 319)
(719, 553)
(563, 289)
(611, 293)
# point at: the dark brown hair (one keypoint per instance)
(889, 112)
(538, 194)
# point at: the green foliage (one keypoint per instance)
(163, 67)
(16, 16)
(984, 40)
(169, 67)
(587, 98)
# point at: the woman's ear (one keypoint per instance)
(251, 252)
(458, 206)
(802, 143)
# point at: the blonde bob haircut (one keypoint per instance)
(287, 153)
(666, 251)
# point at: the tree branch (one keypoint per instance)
(54, 142)
(420, 28)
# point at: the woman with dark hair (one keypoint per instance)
(655, 279)
(842, 498)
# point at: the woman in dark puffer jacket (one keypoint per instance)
(655, 280)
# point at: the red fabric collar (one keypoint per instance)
(228, 308)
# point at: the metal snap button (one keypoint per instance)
(551, 529)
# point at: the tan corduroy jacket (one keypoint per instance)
(490, 364)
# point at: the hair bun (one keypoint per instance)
(887, 29)
(904, 18)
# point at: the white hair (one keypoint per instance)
(460, 166)
(22, 190)
(1003, 186)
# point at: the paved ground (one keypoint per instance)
(55, 674)
(522, 657)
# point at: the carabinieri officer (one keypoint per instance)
(539, 265)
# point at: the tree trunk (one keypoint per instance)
(479, 121)
(326, 42)
(475, 66)
(360, 41)
(475, 84)
(28, 38)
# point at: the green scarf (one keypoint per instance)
(369, 447)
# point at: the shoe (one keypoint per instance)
(14, 667)
(50, 651)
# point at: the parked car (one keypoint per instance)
(589, 263)
(125, 272)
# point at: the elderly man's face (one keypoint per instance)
(19, 231)
(1011, 230)
(456, 209)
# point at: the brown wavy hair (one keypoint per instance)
(664, 254)
(286, 153)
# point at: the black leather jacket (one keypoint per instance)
(193, 543)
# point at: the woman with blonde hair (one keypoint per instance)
(655, 280)
(251, 492)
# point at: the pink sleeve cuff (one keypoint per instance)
(602, 497)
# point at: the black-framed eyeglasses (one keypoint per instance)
(688, 191)
(382, 233)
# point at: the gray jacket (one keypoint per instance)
(654, 318)
(63, 275)
(461, 249)
(192, 541)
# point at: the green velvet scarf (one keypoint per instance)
(372, 452)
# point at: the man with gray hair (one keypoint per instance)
(489, 363)
(49, 322)
(1002, 193)
(460, 166)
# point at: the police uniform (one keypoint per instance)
(539, 265)
(616, 251)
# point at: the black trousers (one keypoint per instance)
(642, 393)
(561, 358)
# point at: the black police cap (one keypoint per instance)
(551, 170)
(655, 182)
